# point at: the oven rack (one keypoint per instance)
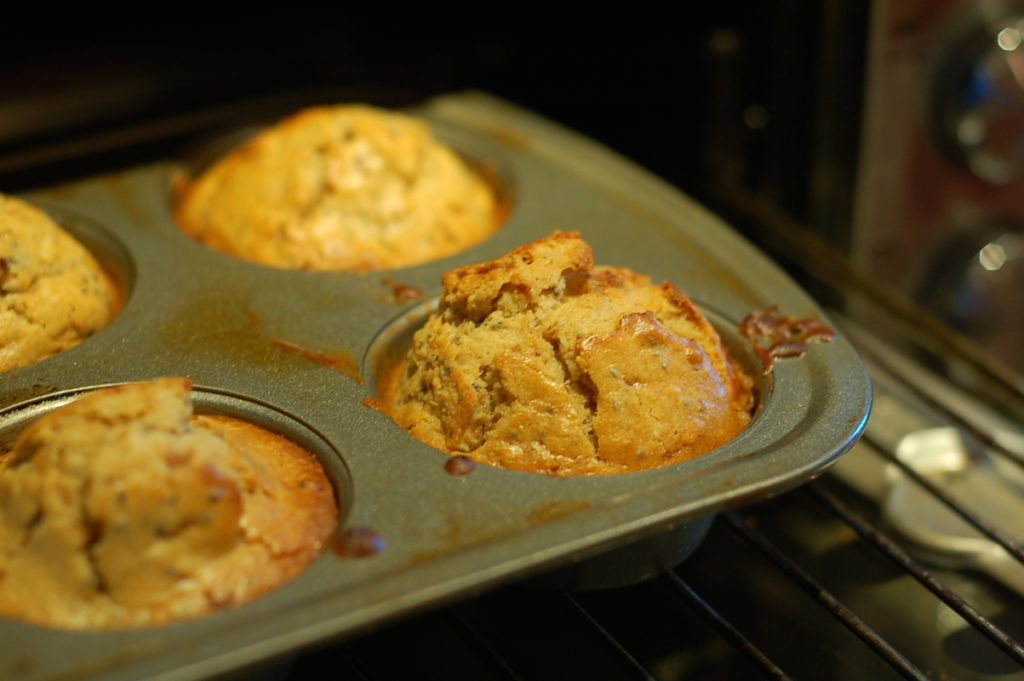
(464, 640)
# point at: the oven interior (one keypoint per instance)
(905, 559)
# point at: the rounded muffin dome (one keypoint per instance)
(544, 362)
(125, 509)
(347, 187)
(53, 293)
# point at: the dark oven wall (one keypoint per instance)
(730, 95)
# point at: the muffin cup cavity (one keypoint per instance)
(15, 419)
(379, 196)
(63, 279)
(743, 354)
(113, 256)
(143, 523)
(218, 403)
(388, 349)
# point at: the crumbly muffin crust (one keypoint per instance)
(53, 293)
(124, 509)
(347, 187)
(542, 361)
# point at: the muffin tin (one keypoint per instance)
(298, 351)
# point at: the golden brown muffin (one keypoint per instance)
(123, 509)
(53, 294)
(340, 188)
(541, 361)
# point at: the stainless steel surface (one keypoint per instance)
(938, 188)
(232, 328)
(978, 96)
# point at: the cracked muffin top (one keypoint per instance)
(53, 293)
(124, 509)
(542, 361)
(347, 187)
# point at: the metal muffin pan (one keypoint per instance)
(297, 351)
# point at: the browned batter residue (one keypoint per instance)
(340, 360)
(459, 465)
(374, 403)
(502, 192)
(255, 322)
(358, 542)
(555, 509)
(775, 335)
(403, 293)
